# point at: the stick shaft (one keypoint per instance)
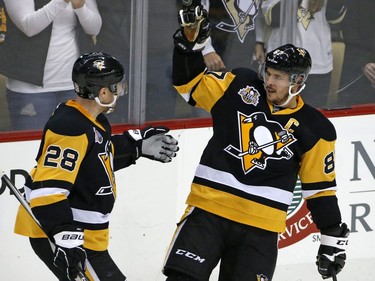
(333, 273)
(19, 197)
(81, 275)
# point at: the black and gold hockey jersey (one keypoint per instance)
(248, 170)
(73, 181)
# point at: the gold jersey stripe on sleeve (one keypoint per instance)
(320, 193)
(211, 88)
(96, 240)
(317, 163)
(46, 200)
(185, 90)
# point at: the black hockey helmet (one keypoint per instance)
(96, 70)
(291, 59)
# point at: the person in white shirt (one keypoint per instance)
(308, 28)
(48, 37)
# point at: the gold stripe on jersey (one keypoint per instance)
(80, 108)
(317, 163)
(96, 240)
(66, 150)
(286, 111)
(236, 208)
(46, 200)
(185, 90)
(227, 179)
(322, 194)
(25, 225)
(210, 89)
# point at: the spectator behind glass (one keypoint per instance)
(359, 36)
(232, 37)
(44, 38)
(114, 38)
(369, 72)
(312, 32)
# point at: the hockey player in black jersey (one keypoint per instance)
(72, 189)
(264, 137)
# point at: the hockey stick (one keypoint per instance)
(333, 273)
(81, 275)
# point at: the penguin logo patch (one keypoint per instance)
(249, 95)
(260, 140)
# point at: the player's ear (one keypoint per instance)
(102, 91)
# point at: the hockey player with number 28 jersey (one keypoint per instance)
(72, 189)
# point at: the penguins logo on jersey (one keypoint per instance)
(304, 16)
(106, 159)
(260, 140)
(243, 14)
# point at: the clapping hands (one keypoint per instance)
(76, 4)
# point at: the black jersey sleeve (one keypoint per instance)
(48, 219)
(125, 151)
(325, 211)
(186, 66)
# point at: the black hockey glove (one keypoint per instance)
(153, 143)
(70, 257)
(331, 255)
(195, 28)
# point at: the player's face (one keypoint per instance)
(277, 84)
(108, 101)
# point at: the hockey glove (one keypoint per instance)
(195, 29)
(70, 257)
(153, 143)
(331, 254)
